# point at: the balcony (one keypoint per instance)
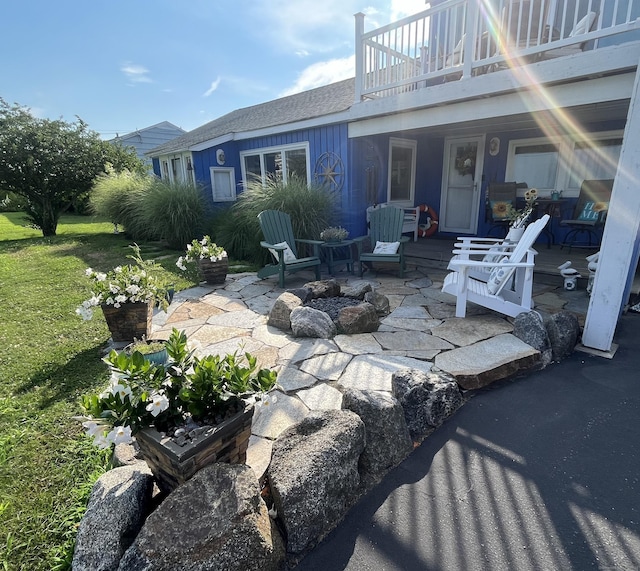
(460, 39)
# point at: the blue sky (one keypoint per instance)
(125, 65)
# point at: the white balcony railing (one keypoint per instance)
(462, 38)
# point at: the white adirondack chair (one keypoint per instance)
(487, 282)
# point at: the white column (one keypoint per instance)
(359, 55)
(618, 253)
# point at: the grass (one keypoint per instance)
(49, 357)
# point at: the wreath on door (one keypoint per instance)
(466, 160)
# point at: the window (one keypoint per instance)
(596, 158)
(402, 171)
(534, 162)
(562, 163)
(176, 170)
(223, 184)
(281, 162)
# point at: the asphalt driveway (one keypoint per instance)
(536, 473)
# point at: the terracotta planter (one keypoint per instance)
(214, 272)
(129, 321)
(172, 464)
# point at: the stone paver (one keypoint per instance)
(419, 332)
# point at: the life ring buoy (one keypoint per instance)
(431, 226)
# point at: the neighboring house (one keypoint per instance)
(444, 103)
(143, 140)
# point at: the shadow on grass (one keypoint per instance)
(83, 373)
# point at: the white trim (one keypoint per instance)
(592, 91)
(231, 171)
(411, 144)
(261, 151)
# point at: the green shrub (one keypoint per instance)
(120, 198)
(312, 208)
(176, 212)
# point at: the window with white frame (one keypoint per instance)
(536, 162)
(223, 184)
(281, 162)
(402, 171)
(595, 158)
(563, 163)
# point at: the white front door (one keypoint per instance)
(461, 176)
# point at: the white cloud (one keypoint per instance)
(322, 73)
(402, 8)
(136, 73)
(214, 86)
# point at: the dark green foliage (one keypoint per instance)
(52, 164)
(312, 208)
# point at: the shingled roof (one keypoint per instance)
(318, 102)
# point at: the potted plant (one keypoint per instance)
(185, 414)
(151, 349)
(127, 295)
(334, 234)
(519, 218)
(210, 259)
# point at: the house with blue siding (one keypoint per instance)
(143, 140)
(446, 102)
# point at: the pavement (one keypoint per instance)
(539, 472)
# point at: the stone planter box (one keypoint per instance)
(214, 272)
(172, 464)
(129, 321)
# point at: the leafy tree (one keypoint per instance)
(53, 164)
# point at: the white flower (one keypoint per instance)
(92, 427)
(84, 312)
(180, 264)
(113, 288)
(117, 269)
(122, 390)
(101, 441)
(100, 276)
(158, 404)
(133, 289)
(120, 435)
(189, 246)
(109, 301)
(88, 272)
(120, 299)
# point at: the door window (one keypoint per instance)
(402, 169)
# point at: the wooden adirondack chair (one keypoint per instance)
(279, 240)
(385, 228)
(498, 291)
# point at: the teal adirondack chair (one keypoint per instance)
(385, 226)
(279, 240)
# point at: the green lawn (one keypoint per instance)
(49, 357)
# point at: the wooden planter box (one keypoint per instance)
(173, 465)
(129, 321)
(214, 272)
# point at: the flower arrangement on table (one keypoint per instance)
(334, 234)
(185, 393)
(131, 283)
(200, 250)
(506, 211)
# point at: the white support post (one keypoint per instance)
(618, 253)
(471, 27)
(359, 56)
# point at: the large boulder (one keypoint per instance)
(427, 399)
(215, 520)
(529, 327)
(280, 314)
(387, 437)
(361, 318)
(323, 288)
(309, 322)
(564, 330)
(314, 476)
(380, 302)
(119, 503)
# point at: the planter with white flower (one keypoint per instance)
(185, 414)
(127, 295)
(210, 259)
(520, 218)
